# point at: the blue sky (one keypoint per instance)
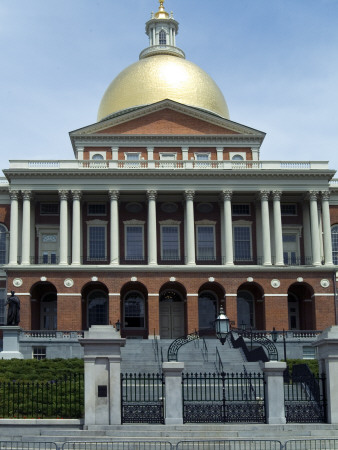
(276, 62)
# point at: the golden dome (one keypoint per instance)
(161, 77)
(161, 13)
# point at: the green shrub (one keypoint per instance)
(312, 363)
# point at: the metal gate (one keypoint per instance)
(142, 398)
(223, 397)
(304, 395)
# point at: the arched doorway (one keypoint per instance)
(250, 306)
(43, 306)
(95, 304)
(172, 314)
(210, 296)
(300, 307)
(134, 310)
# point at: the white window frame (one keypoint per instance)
(171, 223)
(49, 214)
(164, 156)
(294, 230)
(243, 214)
(242, 154)
(334, 249)
(197, 154)
(42, 230)
(101, 153)
(242, 224)
(96, 203)
(39, 352)
(133, 223)
(144, 312)
(3, 299)
(6, 235)
(289, 215)
(127, 154)
(92, 224)
(205, 223)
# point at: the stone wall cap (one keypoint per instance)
(173, 366)
(273, 366)
(328, 336)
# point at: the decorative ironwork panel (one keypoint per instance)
(142, 398)
(311, 444)
(222, 398)
(12, 445)
(238, 444)
(304, 412)
(177, 344)
(120, 445)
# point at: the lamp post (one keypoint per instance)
(284, 344)
(118, 325)
(222, 326)
(274, 335)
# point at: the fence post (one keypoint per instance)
(327, 353)
(274, 391)
(102, 360)
(173, 392)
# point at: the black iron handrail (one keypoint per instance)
(178, 343)
(219, 363)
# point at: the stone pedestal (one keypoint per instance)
(102, 361)
(274, 392)
(11, 348)
(327, 353)
(173, 392)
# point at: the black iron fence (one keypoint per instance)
(227, 444)
(304, 394)
(311, 444)
(63, 398)
(223, 397)
(120, 445)
(142, 398)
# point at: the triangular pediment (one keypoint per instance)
(166, 118)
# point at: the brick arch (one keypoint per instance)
(38, 292)
(301, 306)
(86, 290)
(256, 292)
(134, 287)
(174, 286)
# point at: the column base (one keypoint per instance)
(174, 421)
(267, 264)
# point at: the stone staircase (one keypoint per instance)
(173, 433)
(140, 356)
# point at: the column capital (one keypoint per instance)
(276, 195)
(13, 194)
(264, 195)
(189, 195)
(151, 195)
(114, 195)
(313, 195)
(26, 195)
(63, 194)
(226, 194)
(76, 195)
(326, 195)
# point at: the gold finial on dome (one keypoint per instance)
(161, 13)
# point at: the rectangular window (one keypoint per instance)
(202, 156)
(240, 209)
(168, 156)
(170, 242)
(97, 243)
(3, 245)
(290, 249)
(309, 352)
(288, 209)
(2, 306)
(134, 242)
(49, 209)
(133, 156)
(39, 352)
(97, 209)
(242, 243)
(206, 243)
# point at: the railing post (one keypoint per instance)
(173, 392)
(327, 353)
(274, 391)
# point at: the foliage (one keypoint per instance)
(312, 363)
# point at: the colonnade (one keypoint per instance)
(311, 224)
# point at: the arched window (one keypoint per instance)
(207, 310)
(48, 312)
(334, 235)
(3, 244)
(163, 37)
(97, 308)
(97, 156)
(134, 311)
(237, 158)
(245, 309)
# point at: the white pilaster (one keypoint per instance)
(255, 153)
(314, 228)
(228, 238)
(307, 232)
(76, 228)
(115, 153)
(190, 227)
(219, 151)
(277, 219)
(264, 196)
(150, 153)
(13, 240)
(26, 223)
(185, 153)
(114, 228)
(327, 229)
(152, 235)
(63, 227)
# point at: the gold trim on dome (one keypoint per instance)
(161, 13)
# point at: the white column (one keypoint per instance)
(219, 151)
(228, 238)
(314, 229)
(26, 224)
(172, 372)
(76, 228)
(114, 228)
(150, 153)
(152, 234)
(185, 153)
(264, 196)
(327, 228)
(13, 239)
(277, 219)
(274, 391)
(190, 227)
(63, 227)
(307, 232)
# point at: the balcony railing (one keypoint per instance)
(57, 165)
